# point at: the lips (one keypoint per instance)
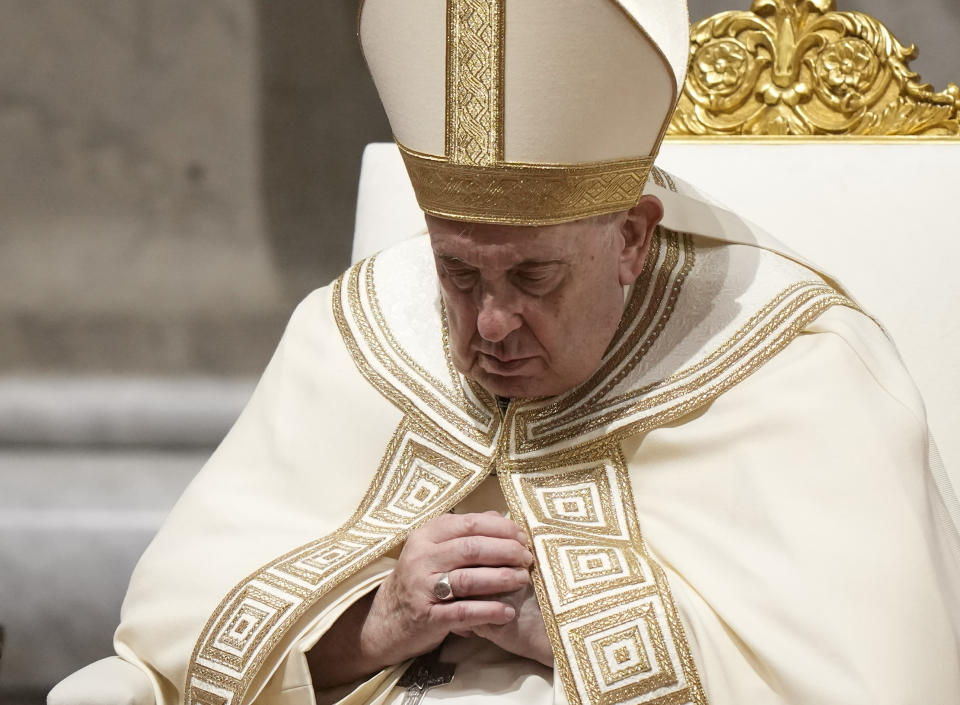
(505, 367)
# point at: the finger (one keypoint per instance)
(464, 615)
(470, 551)
(474, 582)
(451, 526)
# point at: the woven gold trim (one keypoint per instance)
(627, 601)
(229, 662)
(474, 111)
(226, 663)
(525, 194)
(412, 397)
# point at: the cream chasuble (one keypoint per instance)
(736, 508)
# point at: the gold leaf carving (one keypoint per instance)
(799, 67)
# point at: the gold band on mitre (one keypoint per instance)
(524, 194)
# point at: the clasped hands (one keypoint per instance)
(486, 558)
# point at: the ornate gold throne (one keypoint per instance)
(801, 68)
(809, 122)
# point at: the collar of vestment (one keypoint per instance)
(701, 317)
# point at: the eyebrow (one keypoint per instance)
(451, 259)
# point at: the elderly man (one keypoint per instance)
(530, 314)
(557, 451)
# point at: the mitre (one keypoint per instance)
(526, 112)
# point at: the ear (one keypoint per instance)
(637, 232)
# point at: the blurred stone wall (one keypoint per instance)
(131, 233)
(176, 174)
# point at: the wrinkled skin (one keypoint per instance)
(531, 311)
(486, 557)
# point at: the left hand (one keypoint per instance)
(525, 635)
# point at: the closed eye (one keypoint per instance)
(456, 273)
(538, 280)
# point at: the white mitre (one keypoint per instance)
(527, 112)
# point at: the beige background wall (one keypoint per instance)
(176, 174)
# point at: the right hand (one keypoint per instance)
(484, 554)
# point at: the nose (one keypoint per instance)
(496, 317)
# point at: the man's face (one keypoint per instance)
(531, 310)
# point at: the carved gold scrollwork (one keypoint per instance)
(799, 67)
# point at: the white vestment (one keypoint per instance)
(736, 508)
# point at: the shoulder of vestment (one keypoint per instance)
(703, 315)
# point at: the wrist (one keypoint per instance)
(339, 657)
(371, 640)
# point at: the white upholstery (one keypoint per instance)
(855, 208)
(877, 216)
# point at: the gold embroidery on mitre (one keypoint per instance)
(475, 44)
(525, 194)
(472, 181)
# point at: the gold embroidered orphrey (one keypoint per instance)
(607, 606)
(610, 616)
(800, 68)
(476, 30)
(472, 181)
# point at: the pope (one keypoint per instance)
(590, 439)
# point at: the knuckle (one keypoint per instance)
(470, 549)
(468, 524)
(466, 582)
(522, 554)
(418, 614)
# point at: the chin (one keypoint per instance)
(516, 386)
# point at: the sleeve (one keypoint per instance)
(291, 684)
(255, 554)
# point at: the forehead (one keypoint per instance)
(480, 244)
